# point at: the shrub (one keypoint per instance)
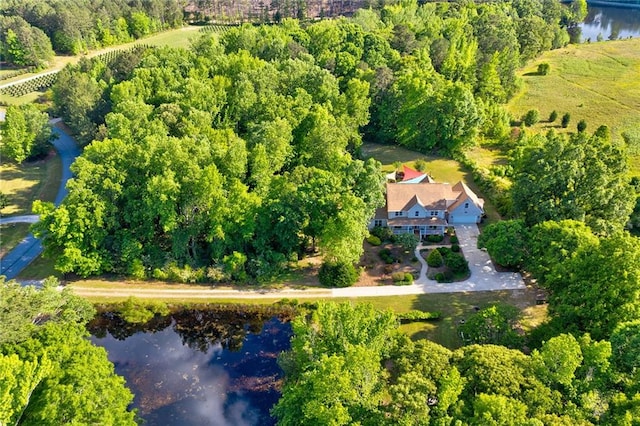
(456, 263)
(566, 118)
(420, 165)
(553, 116)
(531, 117)
(398, 276)
(454, 239)
(444, 251)
(436, 238)
(373, 240)
(409, 242)
(435, 259)
(337, 274)
(582, 126)
(408, 277)
(385, 255)
(455, 248)
(439, 277)
(543, 68)
(382, 232)
(415, 315)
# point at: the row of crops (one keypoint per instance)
(215, 28)
(35, 84)
(110, 56)
(45, 81)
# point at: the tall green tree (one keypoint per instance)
(25, 133)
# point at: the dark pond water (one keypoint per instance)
(198, 367)
(611, 23)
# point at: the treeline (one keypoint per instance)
(253, 133)
(350, 365)
(32, 29)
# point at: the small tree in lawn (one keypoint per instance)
(553, 116)
(566, 118)
(531, 117)
(582, 126)
(543, 69)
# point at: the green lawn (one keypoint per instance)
(27, 182)
(40, 268)
(597, 82)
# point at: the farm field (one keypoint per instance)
(595, 82)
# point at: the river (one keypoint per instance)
(610, 23)
(198, 367)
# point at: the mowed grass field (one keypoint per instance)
(597, 82)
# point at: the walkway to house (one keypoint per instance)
(483, 277)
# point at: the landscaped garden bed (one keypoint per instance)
(446, 264)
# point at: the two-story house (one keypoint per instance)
(428, 208)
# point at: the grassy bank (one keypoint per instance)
(597, 82)
(454, 306)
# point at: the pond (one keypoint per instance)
(610, 23)
(198, 367)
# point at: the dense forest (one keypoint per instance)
(232, 158)
(350, 365)
(31, 30)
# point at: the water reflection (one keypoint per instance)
(610, 23)
(198, 367)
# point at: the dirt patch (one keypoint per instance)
(377, 271)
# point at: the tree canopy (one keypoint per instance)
(50, 373)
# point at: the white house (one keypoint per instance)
(427, 208)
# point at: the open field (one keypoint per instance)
(27, 182)
(441, 169)
(597, 82)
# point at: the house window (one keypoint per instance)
(466, 205)
(434, 213)
(417, 213)
(378, 222)
(433, 227)
(398, 214)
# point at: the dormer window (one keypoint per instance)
(434, 212)
(398, 214)
(417, 213)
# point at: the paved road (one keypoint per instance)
(27, 218)
(30, 247)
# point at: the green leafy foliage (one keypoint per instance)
(435, 259)
(560, 178)
(25, 133)
(137, 311)
(495, 324)
(506, 242)
(531, 117)
(337, 274)
(50, 373)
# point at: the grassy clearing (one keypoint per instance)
(595, 82)
(11, 234)
(441, 169)
(27, 182)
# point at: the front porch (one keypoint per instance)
(421, 227)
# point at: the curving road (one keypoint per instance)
(30, 247)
